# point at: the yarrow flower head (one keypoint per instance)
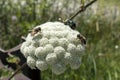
(53, 45)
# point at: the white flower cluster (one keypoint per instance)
(55, 46)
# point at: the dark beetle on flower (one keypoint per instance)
(71, 23)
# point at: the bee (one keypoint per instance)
(35, 31)
(82, 38)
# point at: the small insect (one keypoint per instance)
(34, 31)
(71, 23)
(82, 38)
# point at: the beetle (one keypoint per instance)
(71, 23)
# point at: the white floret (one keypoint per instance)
(80, 49)
(31, 62)
(67, 58)
(56, 26)
(75, 62)
(41, 65)
(59, 51)
(73, 39)
(46, 34)
(43, 41)
(63, 42)
(59, 34)
(40, 52)
(58, 68)
(23, 47)
(52, 34)
(60, 26)
(31, 50)
(26, 52)
(71, 48)
(35, 43)
(49, 48)
(65, 33)
(53, 41)
(51, 58)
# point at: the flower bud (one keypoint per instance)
(59, 51)
(51, 58)
(41, 65)
(31, 62)
(40, 52)
(58, 68)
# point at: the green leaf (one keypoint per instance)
(13, 59)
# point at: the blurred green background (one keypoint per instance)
(100, 24)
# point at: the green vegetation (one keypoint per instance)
(100, 24)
